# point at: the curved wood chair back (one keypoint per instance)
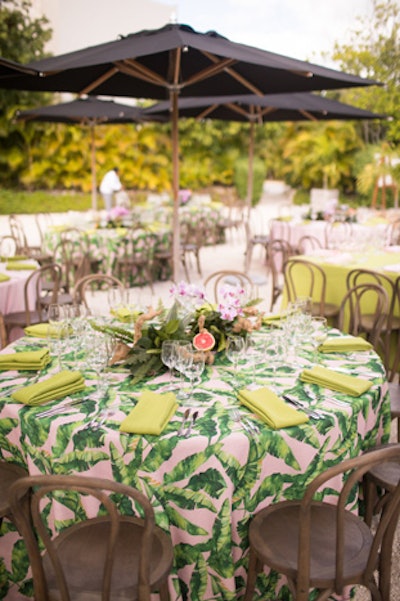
(72, 257)
(9, 473)
(279, 252)
(112, 551)
(8, 247)
(360, 300)
(88, 282)
(134, 263)
(318, 544)
(308, 243)
(218, 279)
(337, 233)
(306, 278)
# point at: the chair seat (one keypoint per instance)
(82, 550)
(330, 310)
(274, 536)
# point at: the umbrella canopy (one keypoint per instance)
(85, 111)
(296, 106)
(12, 69)
(177, 60)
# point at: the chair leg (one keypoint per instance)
(385, 560)
(252, 571)
(370, 497)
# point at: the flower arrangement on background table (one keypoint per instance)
(116, 216)
(190, 314)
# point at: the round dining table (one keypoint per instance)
(205, 482)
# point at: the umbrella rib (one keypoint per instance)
(235, 75)
(214, 69)
(99, 81)
(133, 68)
(307, 115)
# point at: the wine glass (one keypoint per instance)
(275, 352)
(57, 331)
(97, 359)
(235, 348)
(193, 372)
(318, 333)
(183, 360)
(168, 357)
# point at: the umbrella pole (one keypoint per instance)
(175, 187)
(250, 171)
(93, 164)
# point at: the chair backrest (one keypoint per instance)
(8, 246)
(393, 233)
(88, 282)
(72, 257)
(98, 502)
(228, 278)
(365, 276)
(366, 298)
(50, 272)
(308, 243)
(305, 278)
(337, 234)
(3, 332)
(278, 253)
(18, 233)
(352, 471)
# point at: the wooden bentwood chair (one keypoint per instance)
(108, 556)
(9, 473)
(318, 545)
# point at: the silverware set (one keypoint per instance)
(188, 421)
(249, 426)
(60, 408)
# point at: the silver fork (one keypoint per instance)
(250, 428)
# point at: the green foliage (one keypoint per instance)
(15, 201)
(241, 179)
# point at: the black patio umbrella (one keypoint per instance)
(85, 111)
(13, 69)
(173, 61)
(296, 106)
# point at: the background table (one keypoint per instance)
(205, 488)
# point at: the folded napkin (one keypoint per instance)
(4, 277)
(271, 319)
(15, 258)
(125, 315)
(271, 409)
(20, 266)
(151, 414)
(328, 378)
(345, 345)
(41, 330)
(55, 387)
(25, 360)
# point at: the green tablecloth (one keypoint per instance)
(204, 488)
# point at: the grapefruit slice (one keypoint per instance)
(204, 341)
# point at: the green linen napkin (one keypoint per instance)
(55, 387)
(4, 277)
(271, 319)
(125, 315)
(328, 378)
(20, 266)
(41, 330)
(25, 360)
(271, 409)
(151, 414)
(345, 345)
(15, 258)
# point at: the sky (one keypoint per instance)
(301, 29)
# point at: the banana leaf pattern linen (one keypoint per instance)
(206, 487)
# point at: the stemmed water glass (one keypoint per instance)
(183, 359)
(235, 348)
(275, 351)
(168, 357)
(193, 372)
(318, 333)
(57, 331)
(97, 359)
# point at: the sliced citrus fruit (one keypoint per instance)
(204, 341)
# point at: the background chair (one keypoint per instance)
(91, 281)
(228, 278)
(353, 307)
(192, 238)
(38, 314)
(253, 240)
(337, 234)
(279, 252)
(319, 545)
(107, 556)
(135, 261)
(23, 247)
(391, 323)
(308, 243)
(305, 278)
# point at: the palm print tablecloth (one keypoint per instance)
(204, 488)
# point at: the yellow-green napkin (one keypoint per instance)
(345, 345)
(20, 266)
(151, 414)
(41, 330)
(4, 277)
(25, 360)
(271, 409)
(271, 319)
(125, 315)
(15, 258)
(328, 378)
(55, 387)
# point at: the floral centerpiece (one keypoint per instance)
(191, 315)
(116, 216)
